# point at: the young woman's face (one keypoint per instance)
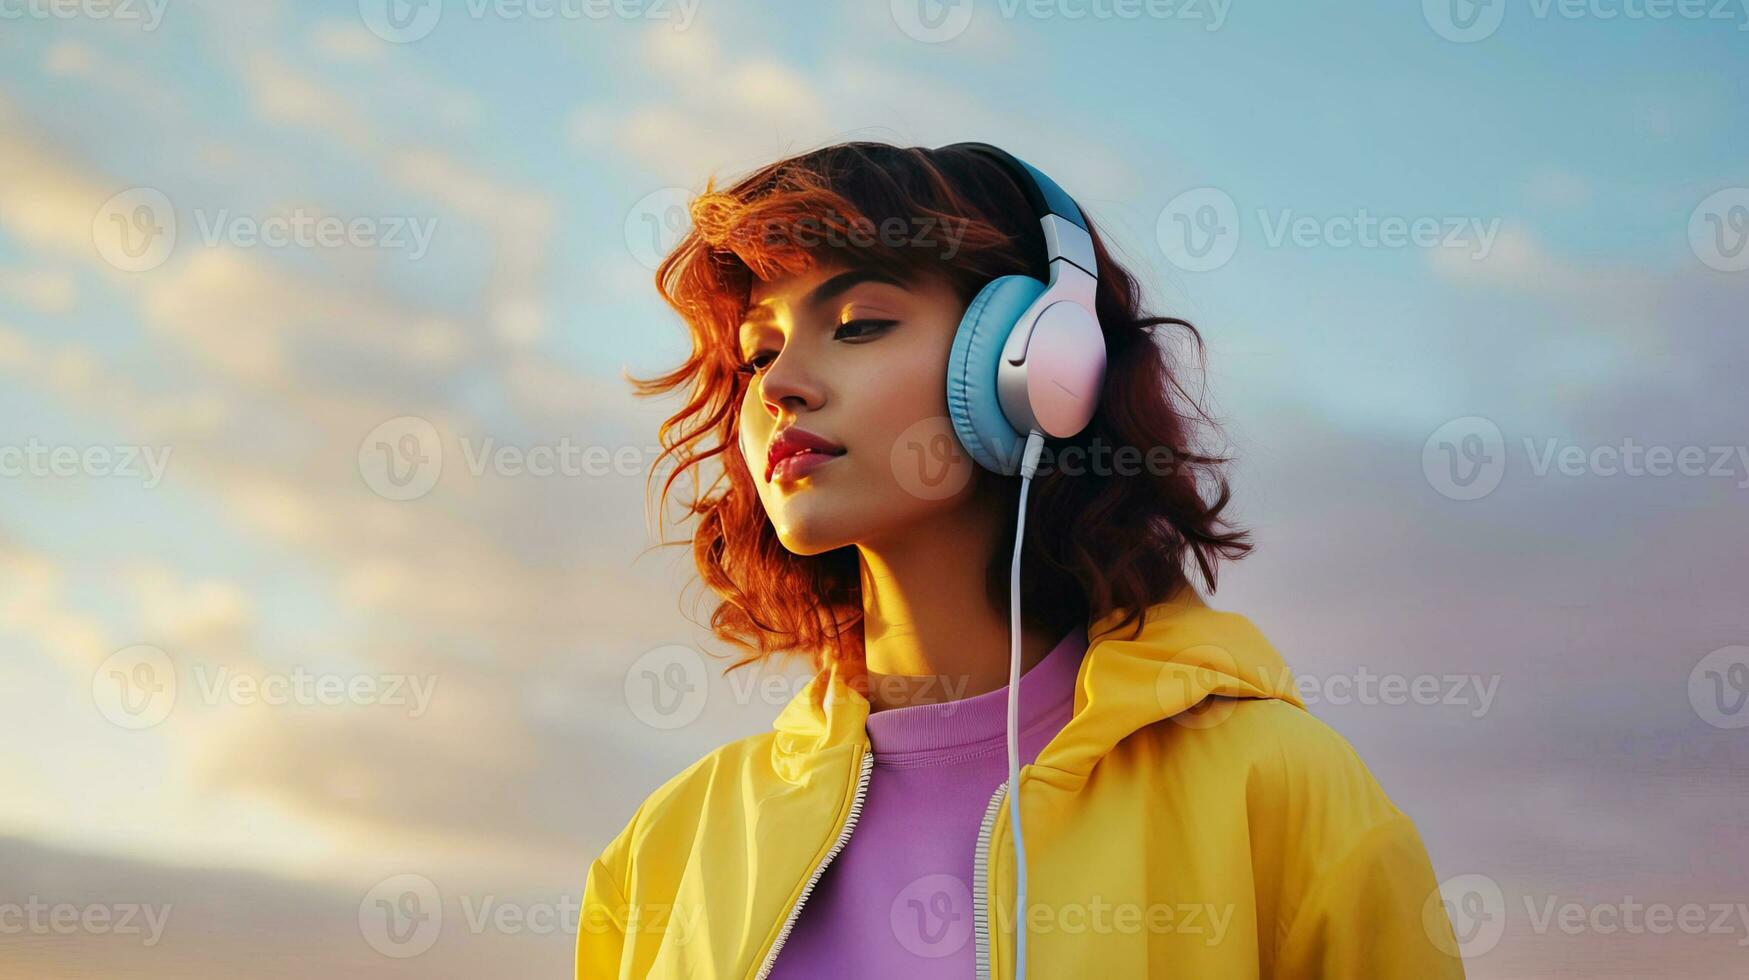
(859, 360)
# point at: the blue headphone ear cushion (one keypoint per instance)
(972, 403)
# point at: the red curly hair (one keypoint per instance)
(1094, 543)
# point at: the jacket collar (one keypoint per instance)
(1185, 653)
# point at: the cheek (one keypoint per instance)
(910, 459)
(753, 432)
(909, 384)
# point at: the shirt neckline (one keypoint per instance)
(951, 727)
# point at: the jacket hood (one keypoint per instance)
(1185, 655)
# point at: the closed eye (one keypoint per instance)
(872, 326)
(859, 330)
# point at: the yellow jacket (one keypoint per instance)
(1191, 819)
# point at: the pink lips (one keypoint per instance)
(796, 466)
(795, 452)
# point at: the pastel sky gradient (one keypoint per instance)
(1595, 168)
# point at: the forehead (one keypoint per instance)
(793, 287)
(818, 286)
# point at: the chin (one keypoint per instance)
(847, 522)
(809, 531)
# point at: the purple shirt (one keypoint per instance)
(897, 900)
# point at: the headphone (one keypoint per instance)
(1028, 362)
(1029, 355)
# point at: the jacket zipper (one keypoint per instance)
(980, 877)
(838, 845)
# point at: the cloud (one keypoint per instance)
(46, 201)
(276, 373)
(520, 222)
(204, 614)
(36, 604)
(68, 58)
(345, 41)
(1561, 189)
(285, 95)
(1518, 261)
(222, 921)
(1620, 297)
(42, 290)
(706, 112)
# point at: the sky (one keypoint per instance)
(328, 585)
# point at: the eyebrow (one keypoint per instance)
(829, 290)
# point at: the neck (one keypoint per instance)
(929, 632)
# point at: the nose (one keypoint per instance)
(788, 384)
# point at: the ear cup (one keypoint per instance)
(972, 401)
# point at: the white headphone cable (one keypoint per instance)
(1035, 443)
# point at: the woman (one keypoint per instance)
(1183, 813)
